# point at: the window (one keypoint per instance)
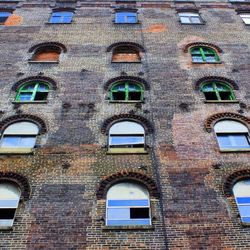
(245, 18)
(126, 134)
(46, 54)
(3, 17)
(126, 17)
(126, 54)
(204, 54)
(128, 204)
(217, 91)
(9, 199)
(241, 192)
(232, 135)
(20, 135)
(190, 18)
(126, 91)
(61, 17)
(36, 91)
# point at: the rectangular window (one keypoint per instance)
(245, 18)
(4, 16)
(61, 17)
(126, 17)
(231, 141)
(190, 18)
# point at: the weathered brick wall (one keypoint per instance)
(63, 211)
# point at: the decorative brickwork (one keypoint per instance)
(233, 178)
(52, 45)
(18, 179)
(136, 45)
(129, 117)
(106, 183)
(201, 44)
(44, 79)
(218, 79)
(221, 116)
(24, 117)
(110, 82)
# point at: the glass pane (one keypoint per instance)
(128, 203)
(185, 20)
(118, 213)
(28, 87)
(9, 203)
(195, 20)
(246, 20)
(211, 59)
(222, 87)
(55, 19)
(139, 213)
(6, 223)
(67, 19)
(131, 19)
(224, 141)
(126, 140)
(7, 213)
(133, 87)
(126, 17)
(243, 200)
(245, 219)
(25, 96)
(18, 142)
(128, 222)
(208, 87)
(244, 211)
(135, 96)
(233, 141)
(196, 58)
(120, 87)
(43, 87)
(226, 96)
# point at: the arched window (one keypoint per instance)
(126, 91)
(232, 135)
(125, 53)
(61, 17)
(204, 54)
(126, 134)
(46, 54)
(241, 192)
(20, 135)
(9, 199)
(128, 204)
(32, 91)
(217, 91)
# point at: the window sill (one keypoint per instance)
(116, 101)
(43, 62)
(224, 101)
(16, 151)
(30, 102)
(126, 62)
(234, 150)
(130, 227)
(220, 62)
(127, 23)
(56, 23)
(127, 151)
(9, 228)
(192, 23)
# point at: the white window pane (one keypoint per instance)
(6, 223)
(118, 213)
(127, 191)
(242, 188)
(126, 127)
(185, 20)
(244, 211)
(195, 20)
(230, 126)
(9, 191)
(188, 14)
(23, 128)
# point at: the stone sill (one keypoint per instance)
(15, 151)
(6, 228)
(111, 101)
(220, 62)
(43, 62)
(235, 150)
(30, 102)
(57, 23)
(224, 101)
(127, 62)
(127, 151)
(138, 22)
(130, 227)
(203, 23)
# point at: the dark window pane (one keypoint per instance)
(210, 96)
(40, 96)
(119, 96)
(135, 96)
(225, 95)
(139, 213)
(7, 213)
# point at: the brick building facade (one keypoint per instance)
(64, 180)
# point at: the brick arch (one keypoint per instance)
(19, 180)
(210, 121)
(110, 82)
(127, 117)
(201, 44)
(145, 180)
(119, 44)
(202, 80)
(30, 79)
(60, 46)
(24, 117)
(231, 180)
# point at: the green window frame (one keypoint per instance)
(217, 91)
(204, 54)
(126, 91)
(33, 92)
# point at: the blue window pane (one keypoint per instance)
(197, 59)
(18, 142)
(128, 222)
(245, 219)
(243, 200)
(61, 17)
(118, 213)
(233, 141)
(4, 16)
(8, 203)
(126, 140)
(210, 59)
(244, 211)
(25, 96)
(126, 17)
(128, 203)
